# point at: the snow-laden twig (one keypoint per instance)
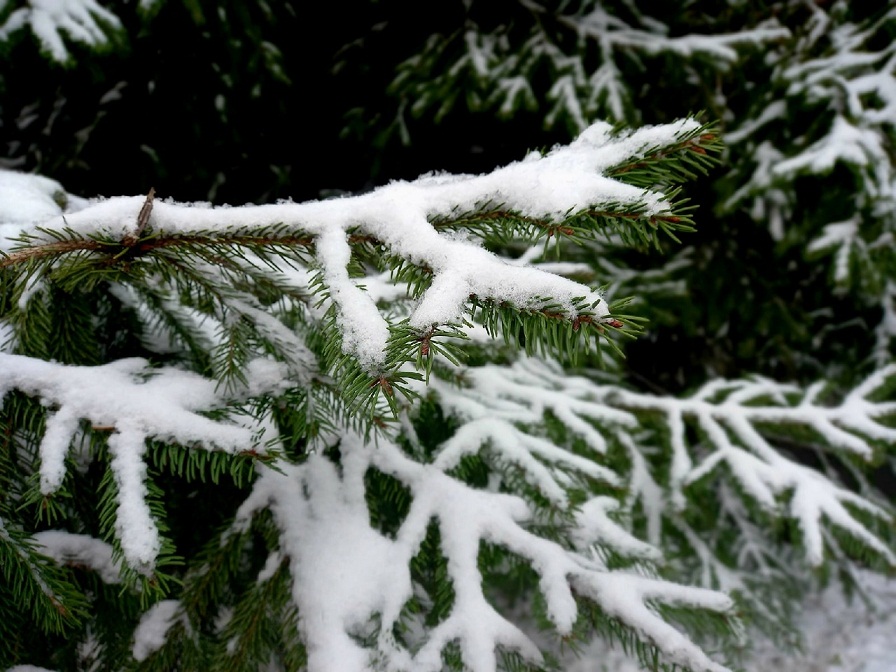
(541, 189)
(80, 550)
(732, 415)
(134, 402)
(737, 421)
(343, 581)
(838, 67)
(84, 21)
(503, 66)
(151, 631)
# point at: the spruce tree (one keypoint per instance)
(422, 427)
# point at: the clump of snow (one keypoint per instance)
(343, 582)
(80, 549)
(594, 526)
(364, 330)
(135, 402)
(134, 524)
(152, 631)
(27, 199)
(80, 20)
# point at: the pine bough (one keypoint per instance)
(407, 503)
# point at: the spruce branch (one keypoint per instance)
(139, 402)
(471, 515)
(339, 313)
(38, 587)
(332, 229)
(733, 418)
(111, 251)
(590, 49)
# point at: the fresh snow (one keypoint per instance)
(546, 187)
(82, 550)
(838, 635)
(345, 583)
(153, 628)
(79, 20)
(134, 402)
(343, 580)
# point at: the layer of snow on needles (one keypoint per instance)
(548, 187)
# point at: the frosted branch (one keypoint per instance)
(135, 402)
(401, 218)
(741, 408)
(342, 582)
(734, 418)
(83, 21)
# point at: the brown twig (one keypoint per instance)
(142, 220)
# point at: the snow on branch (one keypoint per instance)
(500, 64)
(134, 402)
(417, 222)
(496, 409)
(737, 422)
(734, 419)
(347, 583)
(84, 21)
(80, 550)
(841, 68)
(612, 33)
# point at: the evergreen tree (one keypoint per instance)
(419, 428)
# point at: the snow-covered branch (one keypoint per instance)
(737, 423)
(84, 21)
(341, 582)
(581, 87)
(134, 402)
(841, 65)
(543, 190)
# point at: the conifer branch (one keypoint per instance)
(111, 251)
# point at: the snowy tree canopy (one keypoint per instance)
(427, 426)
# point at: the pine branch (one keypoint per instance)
(38, 588)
